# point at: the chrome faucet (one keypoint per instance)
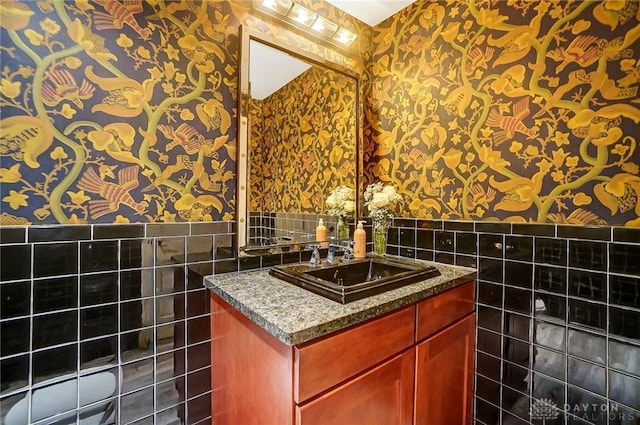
(315, 256)
(346, 250)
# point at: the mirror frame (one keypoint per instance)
(243, 155)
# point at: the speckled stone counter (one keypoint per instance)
(295, 315)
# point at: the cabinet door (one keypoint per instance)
(444, 376)
(381, 396)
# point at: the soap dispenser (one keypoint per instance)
(360, 241)
(321, 234)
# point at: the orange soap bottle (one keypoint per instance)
(360, 242)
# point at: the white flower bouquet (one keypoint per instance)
(341, 202)
(379, 200)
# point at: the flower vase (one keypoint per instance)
(343, 228)
(380, 237)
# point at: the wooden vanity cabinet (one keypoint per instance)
(384, 371)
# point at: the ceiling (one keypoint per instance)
(371, 12)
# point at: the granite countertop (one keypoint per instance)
(295, 315)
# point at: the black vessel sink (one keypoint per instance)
(355, 279)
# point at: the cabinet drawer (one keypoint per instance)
(444, 309)
(320, 365)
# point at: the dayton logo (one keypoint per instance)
(544, 409)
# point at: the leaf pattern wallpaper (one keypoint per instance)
(518, 110)
(303, 142)
(123, 111)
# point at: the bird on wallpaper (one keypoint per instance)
(511, 124)
(585, 50)
(185, 136)
(114, 194)
(118, 14)
(60, 85)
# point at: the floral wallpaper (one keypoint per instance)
(125, 111)
(524, 111)
(303, 142)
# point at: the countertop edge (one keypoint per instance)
(332, 325)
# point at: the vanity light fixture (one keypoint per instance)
(300, 17)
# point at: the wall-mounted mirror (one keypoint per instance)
(297, 141)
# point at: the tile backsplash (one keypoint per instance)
(558, 316)
(107, 323)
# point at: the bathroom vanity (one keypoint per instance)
(284, 355)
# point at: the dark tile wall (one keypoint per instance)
(558, 311)
(112, 320)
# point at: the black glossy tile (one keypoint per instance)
(16, 335)
(131, 314)
(551, 251)
(518, 248)
(626, 234)
(488, 366)
(589, 314)
(490, 270)
(209, 228)
(550, 335)
(489, 318)
(553, 279)
(98, 321)
(168, 415)
(490, 294)
(491, 245)
(15, 373)
(15, 262)
(489, 342)
(98, 256)
(198, 302)
(586, 375)
(407, 252)
(588, 255)
(99, 352)
(512, 402)
(488, 227)
(515, 375)
(548, 388)
(393, 236)
(100, 288)
(466, 261)
(518, 326)
(624, 322)
(444, 241)
(601, 233)
(170, 337)
(136, 405)
(55, 294)
(404, 222)
(533, 229)
(170, 308)
(590, 285)
(198, 356)
(549, 362)
(624, 290)
(551, 306)
(429, 224)
(131, 254)
(518, 300)
(424, 238)
(586, 405)
(118, 231)
(137, 345)
(518, 274)
(130, 284)
(247, 263)
(276, 259)
(15, 299)
(198, 409)
(287, 258)
(59, 233)
(587, 345)
(198, 382)
(54, 363)
(166, 395)
(407, 237)
(462, 226)
(170, 251)
(623, 259)
(55, 259)
(170, 280)
(466, 243)
(136, 375)
(55, 329)
(618, 390)
(488, 389)
(198, 330)
(446, 258)
(487, 413)
(13, 235)
(167, 229)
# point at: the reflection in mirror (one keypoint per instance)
(298, 141)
